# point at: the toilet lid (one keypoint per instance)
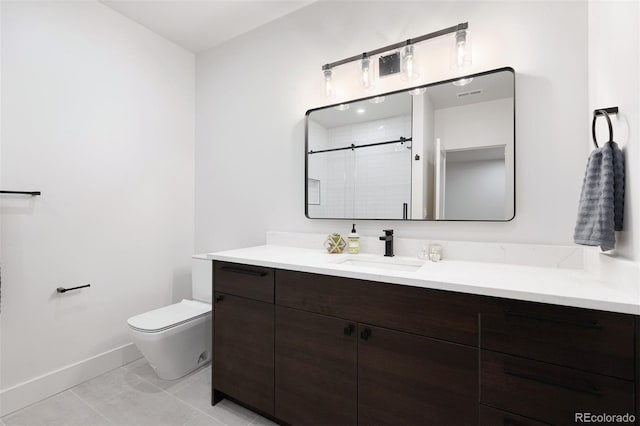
(169, 316)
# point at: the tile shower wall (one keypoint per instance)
(370, 182)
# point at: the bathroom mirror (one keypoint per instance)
(443, 151)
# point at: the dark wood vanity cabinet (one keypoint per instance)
(315, 369)
(405, 379)
(310, 349)
(243, 335)
(547, 362)
(388, 350)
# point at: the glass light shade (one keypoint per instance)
(409, 71)
(367, 73)
(328, 84)
(460, 53)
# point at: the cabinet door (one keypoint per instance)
(316, 368)
(404, 379)
(243, 350)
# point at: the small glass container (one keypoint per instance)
(435, 252)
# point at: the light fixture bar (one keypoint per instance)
(449, 30)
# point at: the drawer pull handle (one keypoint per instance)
(348, 330)
(586, 324)
(592, 390)
(243, 271)
(365, 334)
(219, 298)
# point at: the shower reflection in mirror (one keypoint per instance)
(446, 152)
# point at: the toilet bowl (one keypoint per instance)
(176, 339)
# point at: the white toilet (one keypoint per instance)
(176, 339)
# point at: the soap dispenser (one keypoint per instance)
(353, 241)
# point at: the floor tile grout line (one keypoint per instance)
(191, 379)
(32, 405)
(193, 407)
(82, 401)
(140, 379)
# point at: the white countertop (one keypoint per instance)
(568, 287)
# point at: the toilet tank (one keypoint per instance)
(201, 278)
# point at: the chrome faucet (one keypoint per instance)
(388, 242)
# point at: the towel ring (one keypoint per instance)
(596, 113)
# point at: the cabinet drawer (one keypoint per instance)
(585, 339)
(253, 282)
(433, 313)
(489, 416)
(550, 393)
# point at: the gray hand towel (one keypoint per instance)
(601, 206)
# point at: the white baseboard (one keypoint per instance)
(39, 388)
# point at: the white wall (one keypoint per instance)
(98, 114)
(475, 189)
(614, 80)
(481, 125)
(253, 91)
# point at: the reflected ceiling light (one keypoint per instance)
(360, 110)
(417, 91)
(463, 81)
(342, 107)
(405, 63)
(377, 100)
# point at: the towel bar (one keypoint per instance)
(32, 193)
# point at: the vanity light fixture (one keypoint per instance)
(460, 58)
(328, 85)
(367, 72)
(377, 100)
(408, 66)
(342, 107)
(461, 50)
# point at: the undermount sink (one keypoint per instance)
(389, 263)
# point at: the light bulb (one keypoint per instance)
(328, 85)
(409, 71)
(461, 50)
(367, 73)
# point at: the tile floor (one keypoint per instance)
(133, 395)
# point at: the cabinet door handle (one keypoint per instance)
(219, 298)
(586, 324)
(348, 330)
(592, 390)
(365, 334)
(243, 271)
